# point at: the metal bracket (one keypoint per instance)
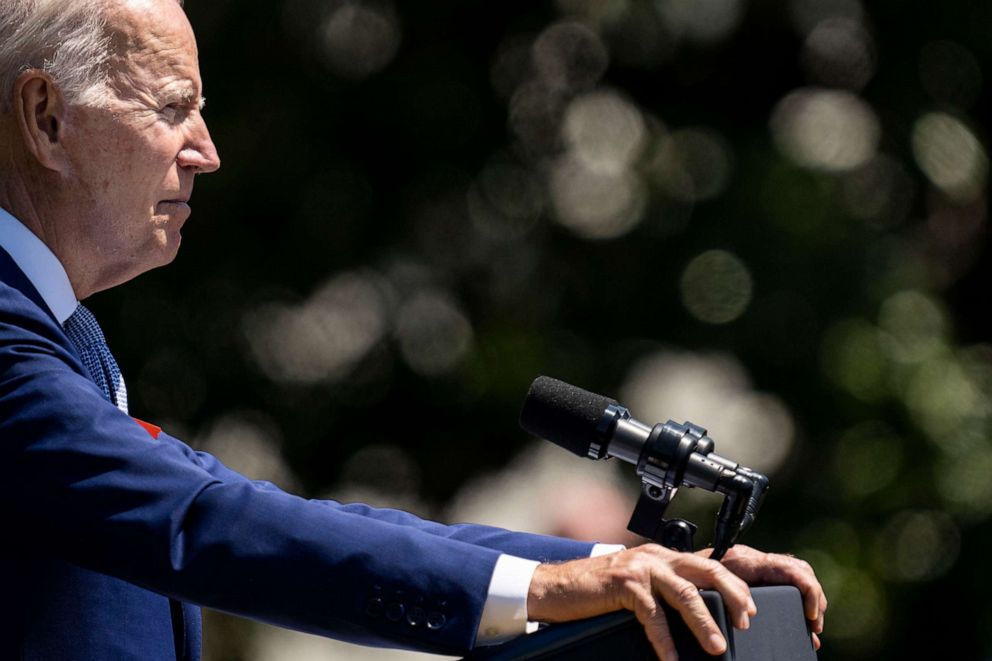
(648, 519)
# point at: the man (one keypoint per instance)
(114, 528)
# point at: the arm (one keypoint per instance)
(85, 482)
(541, 548)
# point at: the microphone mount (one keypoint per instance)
(667, 456)
(675, 455)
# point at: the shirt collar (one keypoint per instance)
(39, 264)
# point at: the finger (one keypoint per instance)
(801, 574)
(684, 597)
(652, 617)
(755, 566)
(818, 622)
(816, 642)
(736, 594)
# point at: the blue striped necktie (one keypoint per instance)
(83, 330)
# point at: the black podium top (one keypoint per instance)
(777, 633)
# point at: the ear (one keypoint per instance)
(40, 110)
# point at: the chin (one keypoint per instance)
(168, 240)
(170, 252)
(163, 252)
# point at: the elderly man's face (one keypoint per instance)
(134, 161)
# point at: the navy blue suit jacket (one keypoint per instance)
(105, 526)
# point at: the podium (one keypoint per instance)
(777, 633)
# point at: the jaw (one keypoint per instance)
(125, 256)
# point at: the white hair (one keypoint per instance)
(68, 39)
(65, 38)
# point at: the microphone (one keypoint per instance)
(667, 455)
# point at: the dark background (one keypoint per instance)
(381, 266)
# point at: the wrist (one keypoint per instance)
(545, 583)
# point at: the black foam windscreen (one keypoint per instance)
(563, 414)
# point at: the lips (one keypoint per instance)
(180, 204)
(176, 210)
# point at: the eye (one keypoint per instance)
(174, 112)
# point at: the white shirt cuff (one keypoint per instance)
(504, 615)
(606, 549)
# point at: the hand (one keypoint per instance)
(754, 566)
(637, 578)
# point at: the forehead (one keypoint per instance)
(151, 42)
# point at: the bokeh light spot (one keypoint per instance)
(323, 338)
(596, 205)
(359, 37)
(867, 459)
(692, 164)
(917, 545)
(434, 335)
(950, 156)
(858, 611)
(915, 326)
(703, 21)
(942, 397)
(569, 57)
(963, 482)
(851, 355)
(604, 131)
(839, 53)
(716, 287)
(829, 130)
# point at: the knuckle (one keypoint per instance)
(686, 594)
(627, 584)
(717, 573)
(799, 564)
(655, 550)
(634, 571)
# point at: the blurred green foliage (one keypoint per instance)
(394, 248)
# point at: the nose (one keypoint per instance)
(199, 155)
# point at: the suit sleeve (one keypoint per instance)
(542, 548)
(87, 483)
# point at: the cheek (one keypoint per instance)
(138, 173)
(114, 169)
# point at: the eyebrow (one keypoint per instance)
(188, 95)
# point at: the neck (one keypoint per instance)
(38, 213)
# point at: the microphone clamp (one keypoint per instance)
(667, 456)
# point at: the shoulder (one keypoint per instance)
(20, 302)
(20, 313)
(30, 338)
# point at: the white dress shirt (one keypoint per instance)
(504, 615)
